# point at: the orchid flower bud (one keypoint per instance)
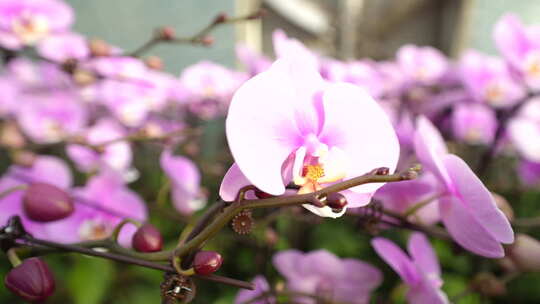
(207, 262)
(46, 203)
(32, 280)
(525, 253)
(336, 201)
(147, 239)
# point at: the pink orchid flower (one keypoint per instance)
(248, 296)
(467, 209)
(288, 125)
(488, 79)
(323, 274)
(27, 22)
(520, 46)
(420, 269)
(185, 180)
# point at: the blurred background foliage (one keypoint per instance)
(127, 23)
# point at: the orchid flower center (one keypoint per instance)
(92, 230)
(494, 93)
(532, 65)
(30, 28)
(315, 165)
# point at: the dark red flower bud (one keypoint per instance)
(381, 171)
(207, 40)
(166, 33)
(207, 262)
(46, 203)
(222, 17)
(32, 280)
(147, 239)
(261, 194)
(154, 62)
(99, 47)
(336, 201)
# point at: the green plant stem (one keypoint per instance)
(281, 201)
(79, 248)
(118, 228)
(13, 257)
(421, 204)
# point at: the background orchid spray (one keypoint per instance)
(109, 156)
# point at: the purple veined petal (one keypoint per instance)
(430, 148)
(261, 286)
(397, 259)
(466, 230)
(478, 199)
(425, 293)
(358, 126)
(287, 263)
(423, 254)
(511, 39)
(261, 126)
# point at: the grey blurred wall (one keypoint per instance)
(128, 23)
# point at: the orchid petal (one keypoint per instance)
(262, 135)
(466, 230)
(397, 259)
(430, 147)
(423, 255)
(358, 126)
(478, 199)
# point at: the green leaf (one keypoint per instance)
(89, 279)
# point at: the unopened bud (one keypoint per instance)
(336, 201)
(147, 239)
(83, 77)
(258, 14)
(23, 158)
(11, 136)
(207, 40)
(46, 203)
(154, 62)
(166, 33)
(271, 236)
(525, 253)
(222, 17)
(504, 206)
(207, 262)
(99, 47)
(262, 195)
(487, 284)
(32, 280)
(381, 171)
(409, 175)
